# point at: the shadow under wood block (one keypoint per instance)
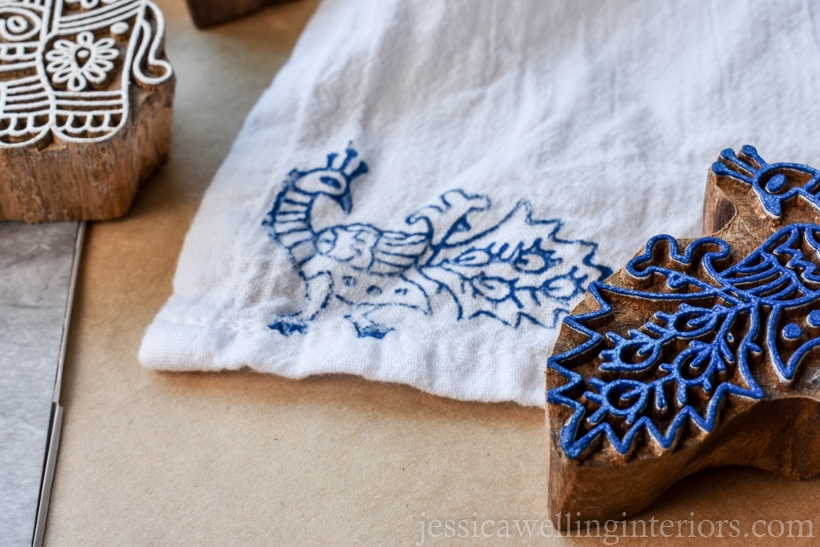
(86, 110)
(207, 13)
(699, 353)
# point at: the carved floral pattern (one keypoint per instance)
(75, 64)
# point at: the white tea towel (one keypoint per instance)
(428, 187)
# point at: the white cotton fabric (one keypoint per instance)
(603, 115)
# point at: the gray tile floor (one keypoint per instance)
(35, 271)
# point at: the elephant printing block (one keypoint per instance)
(85, 106)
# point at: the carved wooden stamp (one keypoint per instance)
(85, 106)
(699, 353)
(207, 13)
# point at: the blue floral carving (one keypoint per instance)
(513, 270)
(714, 323)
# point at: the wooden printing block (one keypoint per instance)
(85, 106)
(699, 353)
(207, 13)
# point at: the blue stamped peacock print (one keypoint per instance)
(514, 270)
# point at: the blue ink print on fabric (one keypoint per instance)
(509, 272)
(515, 269)
(681, 365)
(773, 184)
(289, 327)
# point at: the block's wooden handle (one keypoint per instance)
(697, 354)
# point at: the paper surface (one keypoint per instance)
(35, 272)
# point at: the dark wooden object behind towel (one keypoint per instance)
(207, 13)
